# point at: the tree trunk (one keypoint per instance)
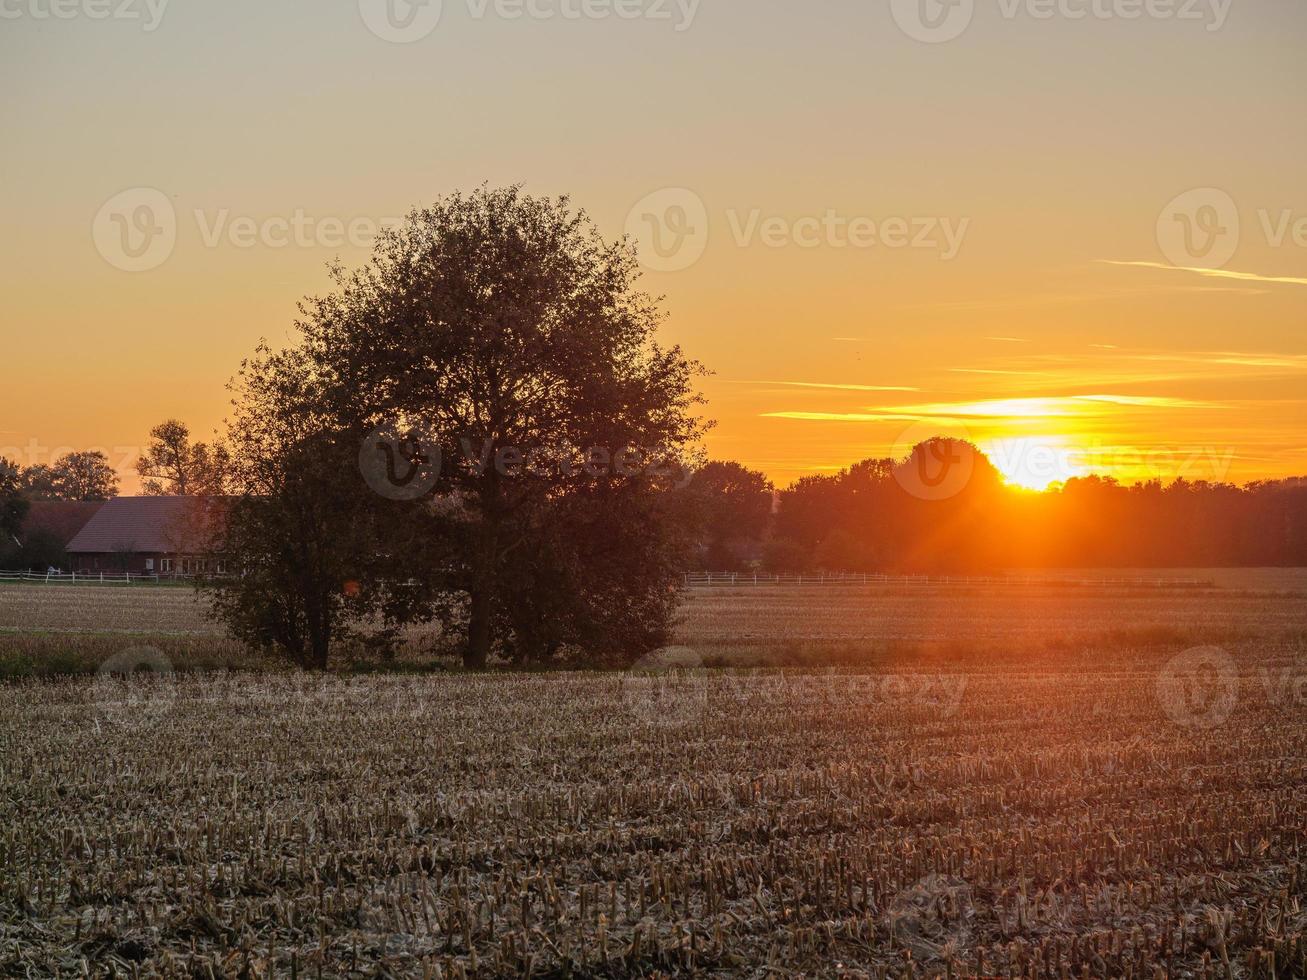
(319, 624)
(480, 625)
(479, 633)
(321, 647)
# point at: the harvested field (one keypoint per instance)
(733, 622)
(1252, 602)
(103, 609)
(1131, 815)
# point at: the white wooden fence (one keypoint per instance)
(713, 579)
(92, 578)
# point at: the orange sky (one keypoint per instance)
(1009, 235)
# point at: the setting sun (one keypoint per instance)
(1034, 462)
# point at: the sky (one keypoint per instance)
(1073, 231)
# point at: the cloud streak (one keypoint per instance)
(1210, 273)
(1006, 409)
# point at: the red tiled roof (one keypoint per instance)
(149, 525)
(60, 518)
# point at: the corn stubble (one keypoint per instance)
(1050, 822)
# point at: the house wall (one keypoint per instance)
(139, 563)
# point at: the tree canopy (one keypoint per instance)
(83, 475)
(498, 340)
(172, 464)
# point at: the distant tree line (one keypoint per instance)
(863, 519)
(74, 476)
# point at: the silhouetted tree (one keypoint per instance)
(38, 482)
(172, 464)
(76, 476)
(731, 508)
(511, 330)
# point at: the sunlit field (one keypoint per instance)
(58, 629)
(1071, 815)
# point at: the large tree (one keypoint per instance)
(172, 464)
(514, 333)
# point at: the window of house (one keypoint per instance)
(165, 564)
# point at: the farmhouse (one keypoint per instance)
(150, 536)
(56, 522)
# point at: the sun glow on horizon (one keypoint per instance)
(1036, 462)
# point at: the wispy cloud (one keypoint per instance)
(1007, 409)
(1229, 358)
(1148, 401)
(1210, 273)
